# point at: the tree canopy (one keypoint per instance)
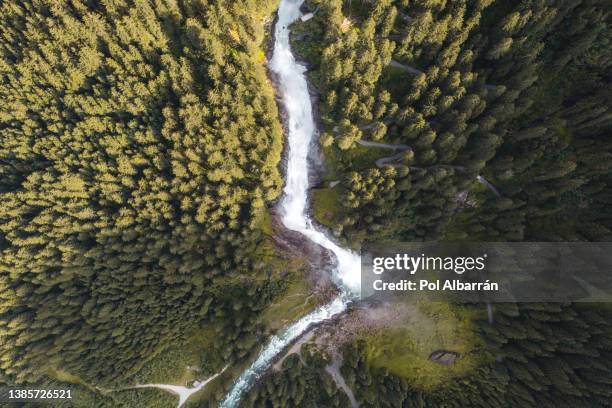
(139, 145)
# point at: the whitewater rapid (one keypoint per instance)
(301, 133)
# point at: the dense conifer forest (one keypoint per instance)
(477, 120)
(516, 94)
(140, 155)
(139, 145)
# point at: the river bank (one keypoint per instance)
(318, 258)
(293, 206)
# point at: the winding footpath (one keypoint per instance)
(404, 67)
(293, 92)
(369, 143)
(396, 159)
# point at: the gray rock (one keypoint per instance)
(444, 357)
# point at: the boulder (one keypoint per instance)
(444, 357)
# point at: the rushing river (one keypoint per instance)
(302, 129)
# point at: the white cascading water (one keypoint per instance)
(294, 90)
(302, 129)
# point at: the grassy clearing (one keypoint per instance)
(405, 347)
(362, 157)
(326, 205)
(83, 393)
(296, 302)
(64, 376)
(333, 170)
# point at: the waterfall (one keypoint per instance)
(301, 131)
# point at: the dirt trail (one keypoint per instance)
(369, 143)
(405, 67)
(295, 348)
(334, 370)
(488, 185)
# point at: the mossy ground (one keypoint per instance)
(326, 205)
(296, 302)
(362, 157)
(404, 348)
